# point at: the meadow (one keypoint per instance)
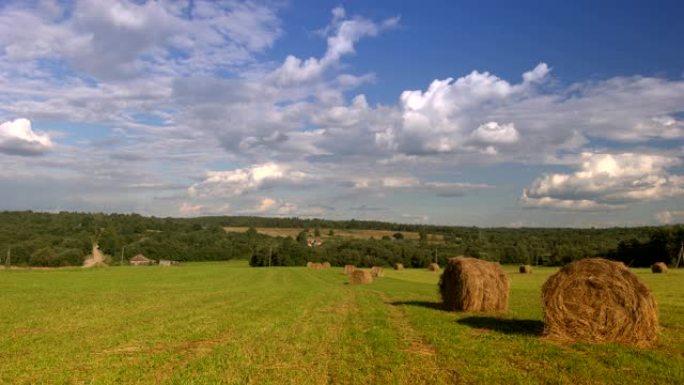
(227, 323)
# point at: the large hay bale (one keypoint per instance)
(326, 265)
(434, 267)
(597, 300)
(525, 269)
(470, 284)
(358, 277)
(348, 269)
(309, 264)
(398, 266)
(659, 267)
(377, 271)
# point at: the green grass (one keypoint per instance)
(213, 323)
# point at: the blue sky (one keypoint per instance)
(453, 112)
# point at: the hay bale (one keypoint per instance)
(377, 271)
(317, 266)
(659, 267)
(434, 267)
(470, 284)
(309, 264)
(326, 265)
(597, 300)
(398, 266)
(359, 277)
(348, 269)
(525, 269)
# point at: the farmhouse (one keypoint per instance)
(314, 242)
(140, 260)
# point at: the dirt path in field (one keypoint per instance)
(96, 258)
(422, 360)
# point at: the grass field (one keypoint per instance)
(358, 234)
(227, 323)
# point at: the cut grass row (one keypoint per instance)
(226, 323)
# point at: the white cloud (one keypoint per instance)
(495, 133)
(189, 209)
(249, 179)
(670, 216)
(17, 138)
(121, 39)
(607, 180)
(265, 205)
(439, 119)
(538, 74)
(408, 183)
(343, 35)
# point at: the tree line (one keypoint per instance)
(63, 239)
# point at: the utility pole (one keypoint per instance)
(122, 254)
(681, 254)
(270, 252)
(8, 261)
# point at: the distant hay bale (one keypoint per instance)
(317, 266)
(358, 277)
(597, 300)
(348, 269)
(525, 269)
(377, 271)
(398, 266)
(659, 267)
(470, 284)
(434, 267)
(309, 264)
(326, 265)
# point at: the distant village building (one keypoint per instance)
(141, 260)
(167, 262)
(312, 242)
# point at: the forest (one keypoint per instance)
(65, 239)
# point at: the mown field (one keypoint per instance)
(356, 234)
(226, 323)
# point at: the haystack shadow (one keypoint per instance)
(426, 304)
(505, 326)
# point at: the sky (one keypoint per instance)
(475, 113)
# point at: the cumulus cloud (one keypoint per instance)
(607, 180)
(439, 119)
(495, 133)
(243, 180)
(17, 138)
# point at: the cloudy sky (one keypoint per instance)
(447, 112)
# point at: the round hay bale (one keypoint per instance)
(398, 266)
(377, 271)
(348, 269)
(434, 267)
(659, 267)
(470, 284)
(598, 300)
(309, 264)
(317, 266)
(360, 277)
(525, 269)
(326, 265)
